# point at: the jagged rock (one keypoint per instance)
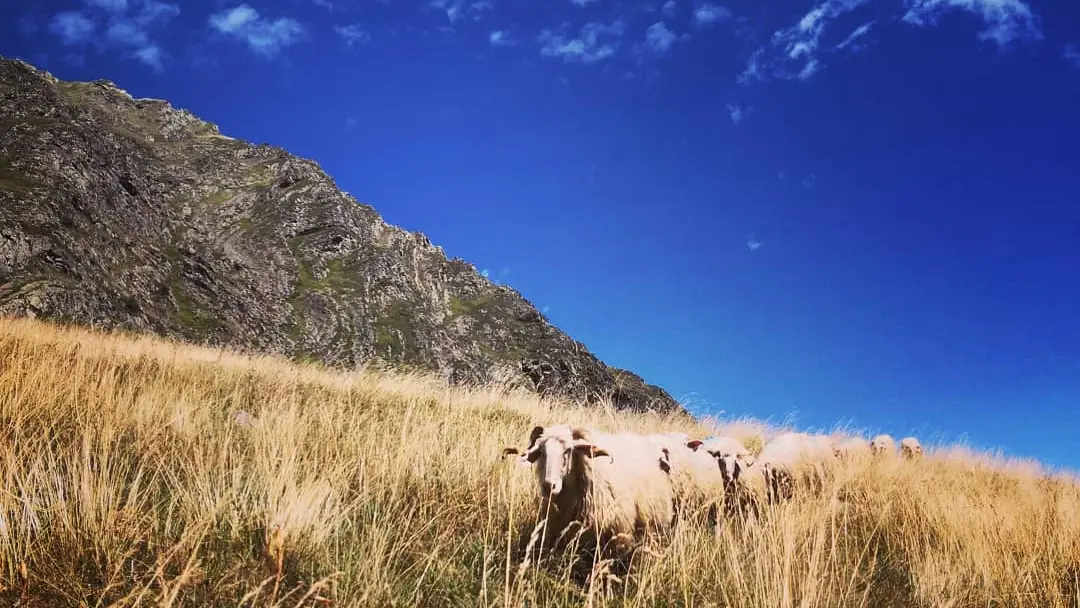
(130, 213)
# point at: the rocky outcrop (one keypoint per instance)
(129, 213)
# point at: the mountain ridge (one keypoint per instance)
(132, 214)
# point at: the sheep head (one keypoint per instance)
(732, 457)
(910, 447)
(554, 451)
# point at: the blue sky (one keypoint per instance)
(860, 211)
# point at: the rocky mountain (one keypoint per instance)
(130, 213)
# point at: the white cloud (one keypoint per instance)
(669, 8)
(127, 33)
(152, 12)
(352, 34)
(794, 52)
(546, 309)
(500, 38)
(854, 36)
(151, 55)
(737, 112)
(262, 36)
(1072, 55)
(113, 6)
(583, 2)
(596, 41)
(324, 4)
(753, 243)
(658, 38)
(72, 27)
(456, 9)
(1006, 20)
(129, 27)
(485, 273)
(708, 14)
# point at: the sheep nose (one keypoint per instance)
(554, 487)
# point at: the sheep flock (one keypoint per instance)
(613, 492)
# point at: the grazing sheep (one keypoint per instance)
(883, 444)
(911, 448)
(730, 457)
(615, 500)
(851, 447)
(790, 457)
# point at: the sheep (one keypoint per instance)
(851, 447)
(615, 500)
(696, 482)
(791, 456)
(911, 448)
(882, 444)
(729, 457)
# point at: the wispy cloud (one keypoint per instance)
(500, 38)
(72, 27)
(330, 6)
(112, 6)
(595, 41)
(854, 36)
(352, 34)
(1006, 20)
(1072, 55)
(151, 55)
(263, 36)
(795, 52)
(583, 2)
(153, 12)
(669, 8)
(658, 38)
(485, 273)
(753, 243)
(708, 14)
(456, 10)
(129, 27)
(738, 112)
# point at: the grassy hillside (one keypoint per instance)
(126, 482)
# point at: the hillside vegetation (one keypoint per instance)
(126, 482)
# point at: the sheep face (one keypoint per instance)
(882, 444)
(555, 451)
(730, 456)
(910, 447)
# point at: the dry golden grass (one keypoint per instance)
(126, 482)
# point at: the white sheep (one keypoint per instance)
(613, 486)
(729, 457)
(696, 481)
(851, 447)
(883, 444)
(790, 457)
(910, 448)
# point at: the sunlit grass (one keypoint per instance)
(126, 482)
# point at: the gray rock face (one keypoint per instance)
(129, 213)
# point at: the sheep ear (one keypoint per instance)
(693, 445)
(535, 434)
(591, 450)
